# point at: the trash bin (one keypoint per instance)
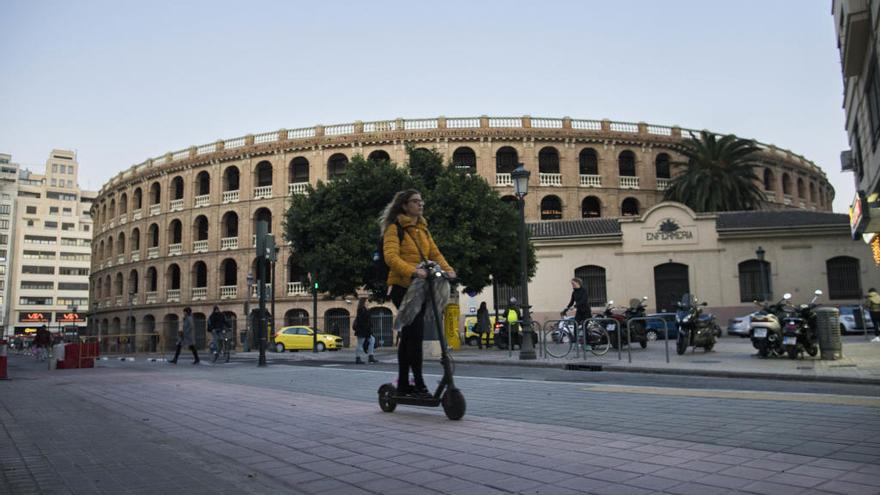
(828, 331)
(3, 351)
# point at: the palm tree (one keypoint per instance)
(718, 174)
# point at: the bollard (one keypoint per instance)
(3, 351)
(828, 332)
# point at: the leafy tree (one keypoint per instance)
(718, 174)
(334, 228)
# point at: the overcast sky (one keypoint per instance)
(121, 81)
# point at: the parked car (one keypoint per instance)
(301, 338)
(740, 325)
(850, 323)
(656, 330)
(470, 337)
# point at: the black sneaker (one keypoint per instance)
(423, 392)
(373, 360)
(358, 361)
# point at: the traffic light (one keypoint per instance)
(315, 286)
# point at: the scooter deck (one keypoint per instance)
(409, 400)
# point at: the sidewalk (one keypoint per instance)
(732, 357)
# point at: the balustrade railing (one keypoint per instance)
(301, 133)
(123, 219)
(503, 180)
(199, 293)
(175, 249)
(263, 192)
(786, 199)
(155, 209)
(624, 127)
(135, 256)
(542, 123)
(136, 214)
(228, 291)
(296, 288)
(586, 125)
(255, 292)
(176, 204)
(230, 196)
(550, 179)
(590, 180)
(151, 297)
(234, 143)
(338, 129)
(172, 295)
(120, 259)
(229, 243)
(203, 200)
(420, 124)
(662, 184)
(297, 188)
(629, 182)
(266, 137)
(152, 252)
(505, 122)
(200, 246)
(463, 123)
(206, 148)
(120, 300)
(381, 126)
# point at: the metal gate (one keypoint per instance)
(670, 283)
(381, 321)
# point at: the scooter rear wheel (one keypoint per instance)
(680, 345)
(453, 404)
(386, 401)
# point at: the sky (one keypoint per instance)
(122, 81)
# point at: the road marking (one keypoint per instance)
(846, 400)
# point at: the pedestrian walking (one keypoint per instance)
(483, 326)
(186, 337)
(216, 325)
(874, 309)
(42, 341)
(405, 259)
(363, 331)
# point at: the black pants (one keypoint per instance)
(409, 347)
(875, 317)
(192, 348)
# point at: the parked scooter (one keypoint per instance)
(765, 329)
(799, 329)
(637, 331)
(695, 329)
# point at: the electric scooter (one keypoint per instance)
(446, 395)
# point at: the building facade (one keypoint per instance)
(178, 230)
(8, 193)
(51, 245)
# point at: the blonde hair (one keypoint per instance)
(394, 208)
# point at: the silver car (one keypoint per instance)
(848, 323)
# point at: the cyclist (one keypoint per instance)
(217, 326)
(580, 302)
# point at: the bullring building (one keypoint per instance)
(178, 230)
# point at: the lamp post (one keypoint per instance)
(760, 255)
(130, 330)
(521, 187)
(247, 313)
(272, 292)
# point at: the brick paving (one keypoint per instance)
(154, 428)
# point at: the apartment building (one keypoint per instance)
(8, 191)
(51, 244)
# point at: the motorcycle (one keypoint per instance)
(637, 330)
(765, 329)
(612, 327)
(695, 329)
(799, 329)
(501, 333)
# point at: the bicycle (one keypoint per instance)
(225, 346)
(569, 334)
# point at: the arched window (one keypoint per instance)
(801, 190)
(230, 179)
(203, 183)
(843, 277)
(591, 207)
(155, 193)
(109, 252)
(295, 271)
(200, 228)
(153, 235)
(135, 240)
(152, 279)
(296, 317)
(229, 272)
(299, 170)
(786, 184)
(172, 276)
(137, 199)
(551, 208)
(629, 207)
(548, 160)
(133, 282)
(101, 250)
(263, 174)
(510, 200)
(769, 180)
(177, 188)
(812, 192)
(336, 165)
(626, 163)
(594, 282)
(465, 158)
(112, 208)
(506, 160)
(199, 274)
(588, 162)
(123, 204)
(118, 286)
(754, 281)
(379, 156)
(175, 232)
(263, 214)
(99, 287)
(661, 166)
(229, 224)
(120, 243)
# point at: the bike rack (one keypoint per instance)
(646, 319)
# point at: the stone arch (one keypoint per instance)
(202, 183)
(231, 178)
(591, 207)
(336, 165)
(626, 164)
(769, 180)
(551, 208)
(155, 193)
(298, 171)
(379, 156)
(177, 188)
(588, 162)
(296, 316)
(263, 174)
(629, 207)
(200, 229)
(548, 160)
(506, 160)
(229, 224)
(661, 166)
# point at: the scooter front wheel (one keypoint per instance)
(453, 404)
(386, 399)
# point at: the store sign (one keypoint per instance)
(33, 317)
(69, 317)
(858, 215)
(670, 230)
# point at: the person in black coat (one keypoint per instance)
(216, 325)
(364, 333)
(482, 327)
(579, 300)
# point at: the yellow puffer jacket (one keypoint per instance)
(403, 257)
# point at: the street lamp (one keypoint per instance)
(247, 313)
(760, 254)
(520, 178)
(130, 330)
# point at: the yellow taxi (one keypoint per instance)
(470, 337)
(300, 338)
